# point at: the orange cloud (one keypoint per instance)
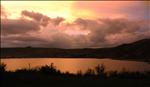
(113, 9)
(74, 24)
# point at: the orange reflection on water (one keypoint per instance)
(73, 65)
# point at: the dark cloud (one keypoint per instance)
(111, 32)
(24, 40)
(18, 32)
(19, 26)
(57, 21)
(60, 41)
(42, 19)
(43, 31)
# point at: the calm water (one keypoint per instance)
(73, 65)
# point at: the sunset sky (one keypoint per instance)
(73, 24)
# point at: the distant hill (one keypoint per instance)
(136, 50)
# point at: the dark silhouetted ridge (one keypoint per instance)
(136, 50)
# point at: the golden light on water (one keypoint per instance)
(73, 65)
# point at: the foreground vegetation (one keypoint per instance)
(50, 76)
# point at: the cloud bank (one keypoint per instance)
(38, 30)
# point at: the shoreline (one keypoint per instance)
(121, 59)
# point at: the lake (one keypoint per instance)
(73, 65)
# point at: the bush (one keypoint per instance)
(100, 70)
(49, 69)
(2, 67)
(90, 72)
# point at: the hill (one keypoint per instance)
(136, 50)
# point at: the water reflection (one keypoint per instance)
(73, 65)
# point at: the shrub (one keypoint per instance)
(2, 67)
(100, 70)
(49, 69)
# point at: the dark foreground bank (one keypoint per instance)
(50, 76)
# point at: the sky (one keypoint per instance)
(73, 24)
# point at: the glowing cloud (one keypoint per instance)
(73, 24)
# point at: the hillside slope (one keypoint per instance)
(136, 50)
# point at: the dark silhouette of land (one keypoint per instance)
(139, 50)
(50, 76)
